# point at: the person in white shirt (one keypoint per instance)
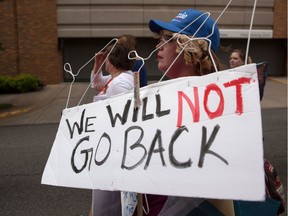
(120, 78)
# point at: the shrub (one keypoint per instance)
(7, 84)
(26, 82)
(19, 84)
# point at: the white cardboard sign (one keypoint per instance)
(192, 136)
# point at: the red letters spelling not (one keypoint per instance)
(195, 107)
(238, 84)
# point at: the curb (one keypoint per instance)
(282, 80)
(14, 111)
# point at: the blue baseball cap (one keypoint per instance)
(183, 19)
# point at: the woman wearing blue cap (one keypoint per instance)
(193, 33)
(187, 47)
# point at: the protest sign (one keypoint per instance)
(192, 136)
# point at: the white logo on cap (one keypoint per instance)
(181, 16)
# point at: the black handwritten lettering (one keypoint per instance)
(99, 163)
(136, 145)
(87, 124)
(159, 150)
(135, 114)
(144, 115)
(79, 127)
(85, 152)
(159, 112)
(173, 160)
(205, 147)
(122, 118)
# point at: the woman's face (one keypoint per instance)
(235, 60)
(167, 54)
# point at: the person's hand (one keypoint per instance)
(99, 59)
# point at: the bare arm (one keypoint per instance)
(97, 79)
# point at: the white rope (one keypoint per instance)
(184, 44)
(147, 204)
(116, 41)
(173, 62)
(191, 38)
(136, 57)
(250, 31)
(69, 70)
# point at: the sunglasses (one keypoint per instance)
(166, 38)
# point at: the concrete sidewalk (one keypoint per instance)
(45, 106)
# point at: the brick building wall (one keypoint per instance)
(280, 19)
(8, 39)
(280, 24)
(29, 36)
(30, 30)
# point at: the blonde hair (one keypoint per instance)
(196, 54)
